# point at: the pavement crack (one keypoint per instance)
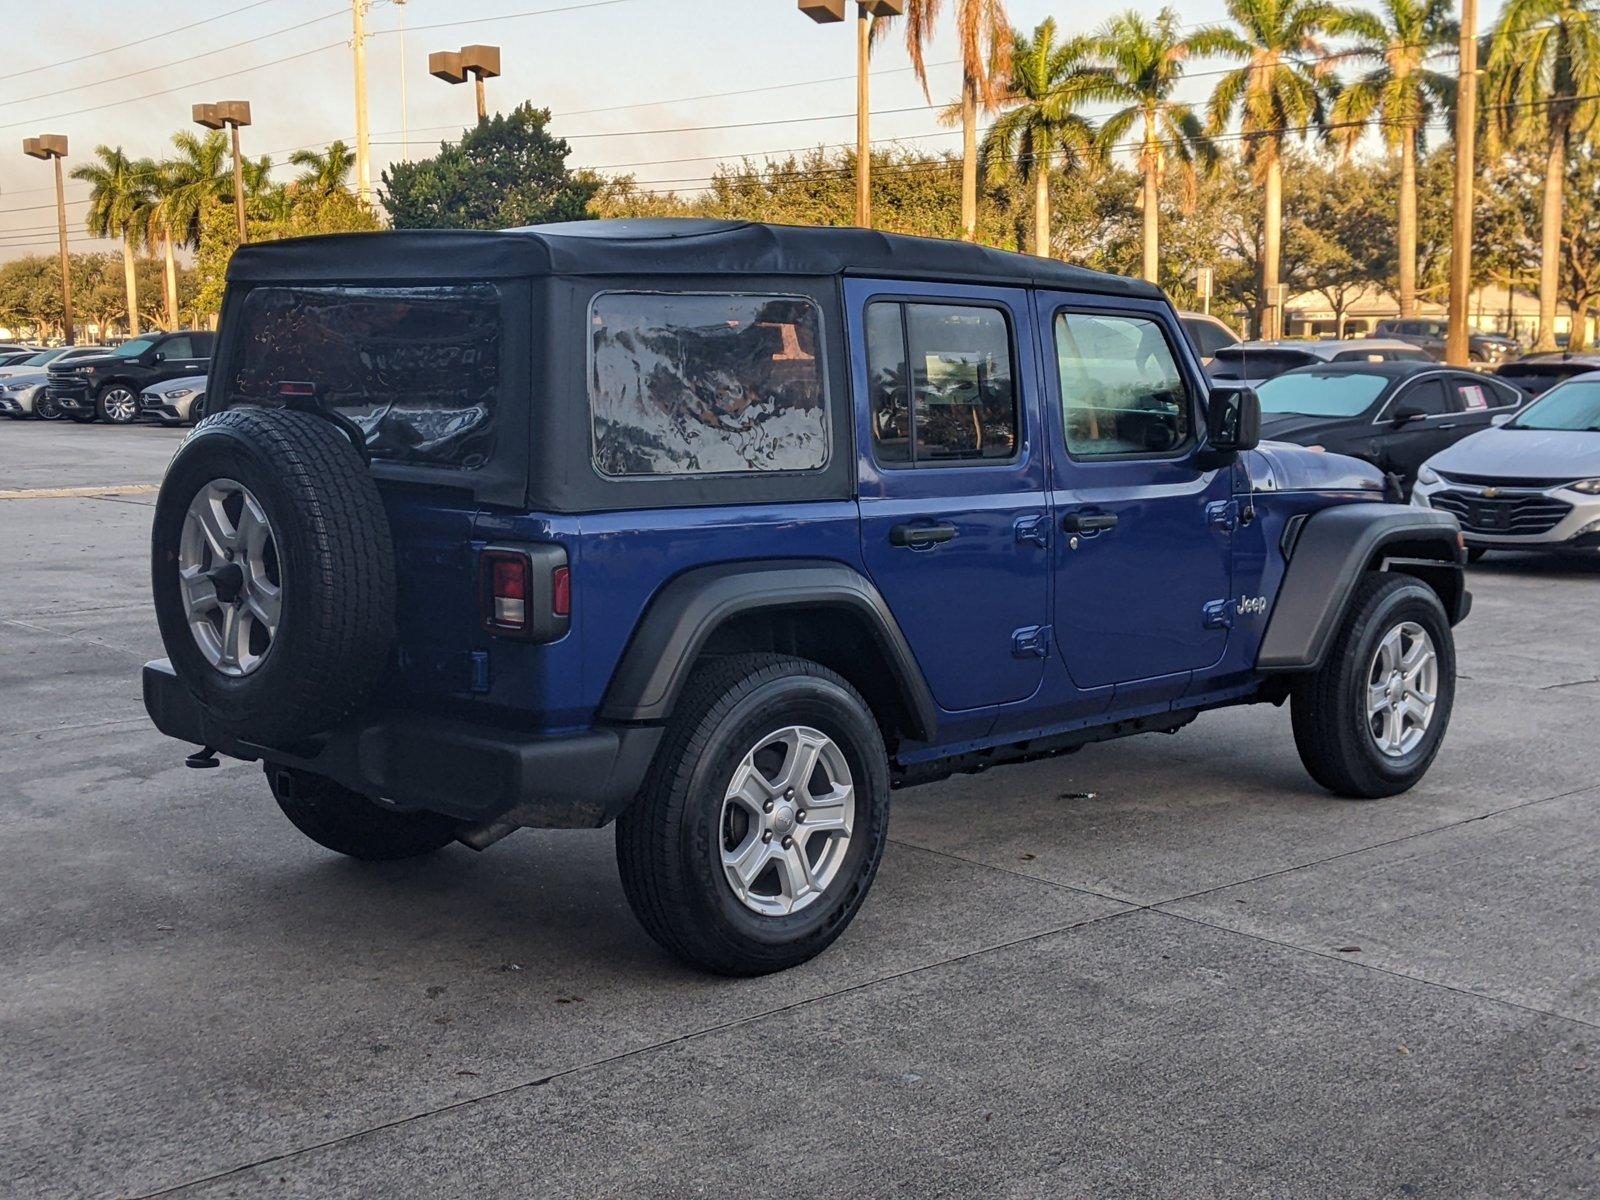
(71, 637)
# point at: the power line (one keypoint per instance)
(138, 42)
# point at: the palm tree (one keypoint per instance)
(1280, 90)
(986, 39)
(201, 171)
(1146, 61)
(1047, 83)
(1401, 94)
(324, 173)
(117, 202)
(1544, 77)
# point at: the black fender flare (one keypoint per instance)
(688, 610)
(1332, 549)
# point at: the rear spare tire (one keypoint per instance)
(273, 573)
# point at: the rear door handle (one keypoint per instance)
(1088, 522)
(919, 536)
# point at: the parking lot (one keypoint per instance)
(1167, 966)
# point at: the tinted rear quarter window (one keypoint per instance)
(417, 368)
(706, 384)
(1236, 363)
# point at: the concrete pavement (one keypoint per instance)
(1168, 966)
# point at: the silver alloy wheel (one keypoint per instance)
(120, 404)
(786, 819)
(1402, 687)
(231, 577)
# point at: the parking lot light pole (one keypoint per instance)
(827, 12)
(233, 114)
(1458, 339)
(358, 44)
(53, 146)
(456, 66)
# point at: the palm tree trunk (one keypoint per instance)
(969, 158)
(1271, 244)
(1041, 206)
(1408, 225)
(172, 283)
(1152, 223)
(131, 283)
(1555, 177)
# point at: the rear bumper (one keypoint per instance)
(575, 781)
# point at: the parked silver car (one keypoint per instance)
(1253, 363)
(23, 396)
(1531, 482)
(175, 402)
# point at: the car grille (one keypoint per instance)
(66, 387)
(149, 401)
(1507, 516)
(1505, 481)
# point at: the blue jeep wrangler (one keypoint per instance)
(722, 531)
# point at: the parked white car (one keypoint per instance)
(1253, 363)
(175, 402)
(37, 363)
(1531, 482)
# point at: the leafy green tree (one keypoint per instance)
(1400, 94)
(1340, 235)
(1147, 60)
(327, 171)
(1544, 81)
(508, 170)
(1039, 118)
(119, 198)
(1280, 92)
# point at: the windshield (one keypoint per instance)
(1239, 363)
(1315, 394)
(44, 356)
(134, 348)
(1573, 405)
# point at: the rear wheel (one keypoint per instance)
(759, 833)
(1369, 722)
(118, 404)
(353, 824)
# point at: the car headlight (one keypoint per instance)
(1589, 487)
(179, 394)
(1427, 475)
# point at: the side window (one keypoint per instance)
(1428, 397)
(202, 344)
(175, 348)
(942, 381)
(706, 384)
(1121, 390)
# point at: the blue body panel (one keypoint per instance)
(1018, 633)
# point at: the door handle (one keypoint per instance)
(1088, 522)
(919, 536)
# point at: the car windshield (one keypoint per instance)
(1574, 406)
(1321, 394)
(1237, 362)
(134, 348)
(44, 356)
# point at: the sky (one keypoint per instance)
(635, 85)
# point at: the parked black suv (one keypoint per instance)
(108, 385)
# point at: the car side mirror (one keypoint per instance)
(1405, 413)
(158, 357)
(1233, 420)
(1501, 418)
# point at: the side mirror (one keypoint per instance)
(1501, 418)
(1405, 413)
(158, 356)
(1233, 418)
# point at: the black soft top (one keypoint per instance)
(654, 247)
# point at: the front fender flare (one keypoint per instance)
(687, 611)
(1334, 548)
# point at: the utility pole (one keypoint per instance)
(230, 114)
(405, 111)
(363, 134)
(53, 146)
(1458, 339)
(826, 12)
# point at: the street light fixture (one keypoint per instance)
(454, 66)
(233, 114)
(53, 146)
(827, 12)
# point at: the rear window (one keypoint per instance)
(416, 368)
(1237, 363)
(700, 384)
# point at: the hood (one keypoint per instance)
(1280, 467)
(188, 383)
(1523, 454)
(1296, 427)
(8, 372)
(88, 360)
(32, 378)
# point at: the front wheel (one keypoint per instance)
(758, 836)
(1369, 722)
(350, 823)
(118, 404)
(46, 409)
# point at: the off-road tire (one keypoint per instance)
(337, 561)
(668, 842)
(349, 823)
(1328, 706)
(109, 415)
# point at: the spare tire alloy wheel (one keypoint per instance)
(786, 821)
(231, 576)
(118, 404)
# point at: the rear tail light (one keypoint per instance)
(525, 592)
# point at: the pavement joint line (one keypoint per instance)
(71, 637)
(20, 734)
(87, 492)
(612, 1059)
